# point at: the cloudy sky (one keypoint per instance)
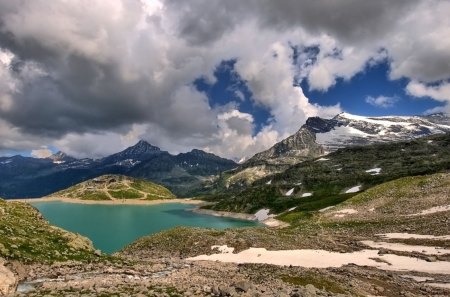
(91, 77)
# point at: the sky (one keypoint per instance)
(92, 77)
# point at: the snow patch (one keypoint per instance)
(307, 194)
(263, 214)
(309, 258)
(223, 249)
(327, 208)
(292, 208)
(374, 171)
(290, 192)
(353, 190)
(426, 250)
(439, 285)
(269, 182)
(419, 279)
(412, 236)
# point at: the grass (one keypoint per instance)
(317, 281)
(26, 236)
(126, 194)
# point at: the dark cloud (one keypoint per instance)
(86, 68)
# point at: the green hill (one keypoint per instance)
(111, 187)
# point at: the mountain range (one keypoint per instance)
(198, 172)
(32, 177)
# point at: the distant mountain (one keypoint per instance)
(319, 136)
(182, 173)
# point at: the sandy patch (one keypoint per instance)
(343, 212)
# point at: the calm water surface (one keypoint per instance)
(111, 227)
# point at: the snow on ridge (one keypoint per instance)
(354, 189)
(374, 171)
(322, 159)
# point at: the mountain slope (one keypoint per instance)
(346, 129)
(111, 187)
(318, 183)
(319, 136)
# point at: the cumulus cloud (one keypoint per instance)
(382, 101)
(41, 153)
(91, 77)
(439, 92)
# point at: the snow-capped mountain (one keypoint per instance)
(320, 136)
(346, 129)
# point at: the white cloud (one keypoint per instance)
(41, 153)
(439, 92)
(382, 101)
(110, 72)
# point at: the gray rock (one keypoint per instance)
(243, 286)
(227, 291)
(98, 253)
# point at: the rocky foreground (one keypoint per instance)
(404, 222)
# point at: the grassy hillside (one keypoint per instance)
(110, 187)
(26, 236)
(328, 179)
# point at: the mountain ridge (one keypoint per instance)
(32, 177)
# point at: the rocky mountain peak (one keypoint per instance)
(61, 157)
(297, 147)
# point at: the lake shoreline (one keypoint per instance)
(111, 202)
(270, 222)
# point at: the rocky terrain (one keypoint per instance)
(26, 177)
(114, 187)
(380, 228)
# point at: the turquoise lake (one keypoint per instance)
(112, 227)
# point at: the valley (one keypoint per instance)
(362, 220)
